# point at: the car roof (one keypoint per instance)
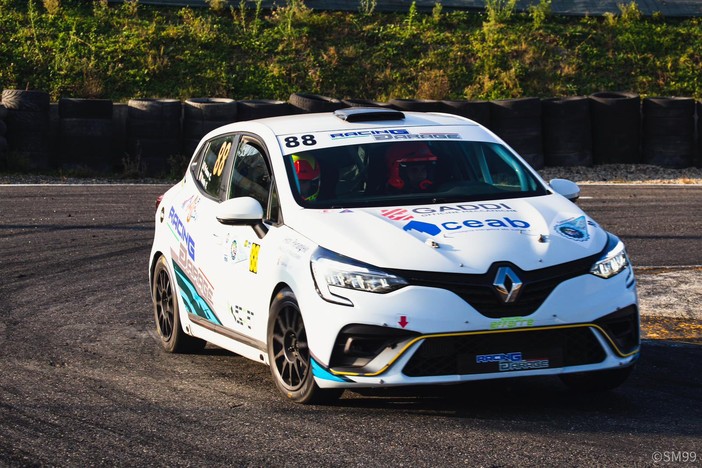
(335, 121)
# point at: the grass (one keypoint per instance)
(73, 48)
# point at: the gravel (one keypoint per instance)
(625, 174)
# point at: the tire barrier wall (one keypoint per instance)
(143, 135)
(668, 131)
(28, 127)
(3, 140)
(86, 135)
(262, 108)
(311, 103)
(478, 111)
(153, 134)
(616, 128)
(202, 115)
(518, 122)
(567, 132)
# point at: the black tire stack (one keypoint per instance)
(262, 108)
(202, 115)
(86, 135)
(477, 111)
(566, 131)
(418, 105)
(28, 126)
(518, 122)
(668, 131)
(153, 135)
(616, 127)
(312, 103)
(352, 102)
(3, 140)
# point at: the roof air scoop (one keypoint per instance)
(368, 114)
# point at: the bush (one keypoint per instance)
(120, 51)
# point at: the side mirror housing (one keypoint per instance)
(565, 187)
(242, 211)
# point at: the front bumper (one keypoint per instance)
(374, 355)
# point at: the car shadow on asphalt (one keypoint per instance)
(665, 386)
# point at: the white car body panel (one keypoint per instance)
(230, 275)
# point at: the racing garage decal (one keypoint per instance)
(179, 230)
(195, 289)
(511, 361)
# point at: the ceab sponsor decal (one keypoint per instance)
(471, 224)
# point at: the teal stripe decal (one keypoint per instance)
(194, 303)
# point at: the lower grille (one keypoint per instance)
(505, 351)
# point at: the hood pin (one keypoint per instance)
(432, 243)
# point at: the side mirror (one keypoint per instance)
(242, 211)
(565, 187)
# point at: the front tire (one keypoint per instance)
(289, 354)
(166, 313)
(597, 381)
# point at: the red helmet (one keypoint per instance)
(306, 167)
(401, 157)
(307, 170)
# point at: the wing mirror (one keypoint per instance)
(242, 211)
(565, 187)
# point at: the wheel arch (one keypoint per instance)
(152, 267)
(278, 287)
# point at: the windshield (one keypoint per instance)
(408, 172)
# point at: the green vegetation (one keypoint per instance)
(75, 48)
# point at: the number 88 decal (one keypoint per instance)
(222, 158)
(294, 142)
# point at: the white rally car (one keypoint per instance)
(377, 248)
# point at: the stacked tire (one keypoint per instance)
(3, 140)
(86, 135)
(28, 126)
(668, 131)
(616, 127)
(365, 103)
(477, 111)
(566, 131)
(153, 135)
(518, 122)
(313, 103)
(418, 105)
(262, 108)
(202, 115)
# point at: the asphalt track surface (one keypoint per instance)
(84, 382)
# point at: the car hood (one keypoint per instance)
(531, 233)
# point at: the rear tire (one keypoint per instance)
(166, 313)
(289, 355)
(597, 381)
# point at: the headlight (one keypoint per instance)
(613, 261)
(333, 273)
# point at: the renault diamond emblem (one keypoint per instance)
(507, 284)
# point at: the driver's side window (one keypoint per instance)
(250, 175)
